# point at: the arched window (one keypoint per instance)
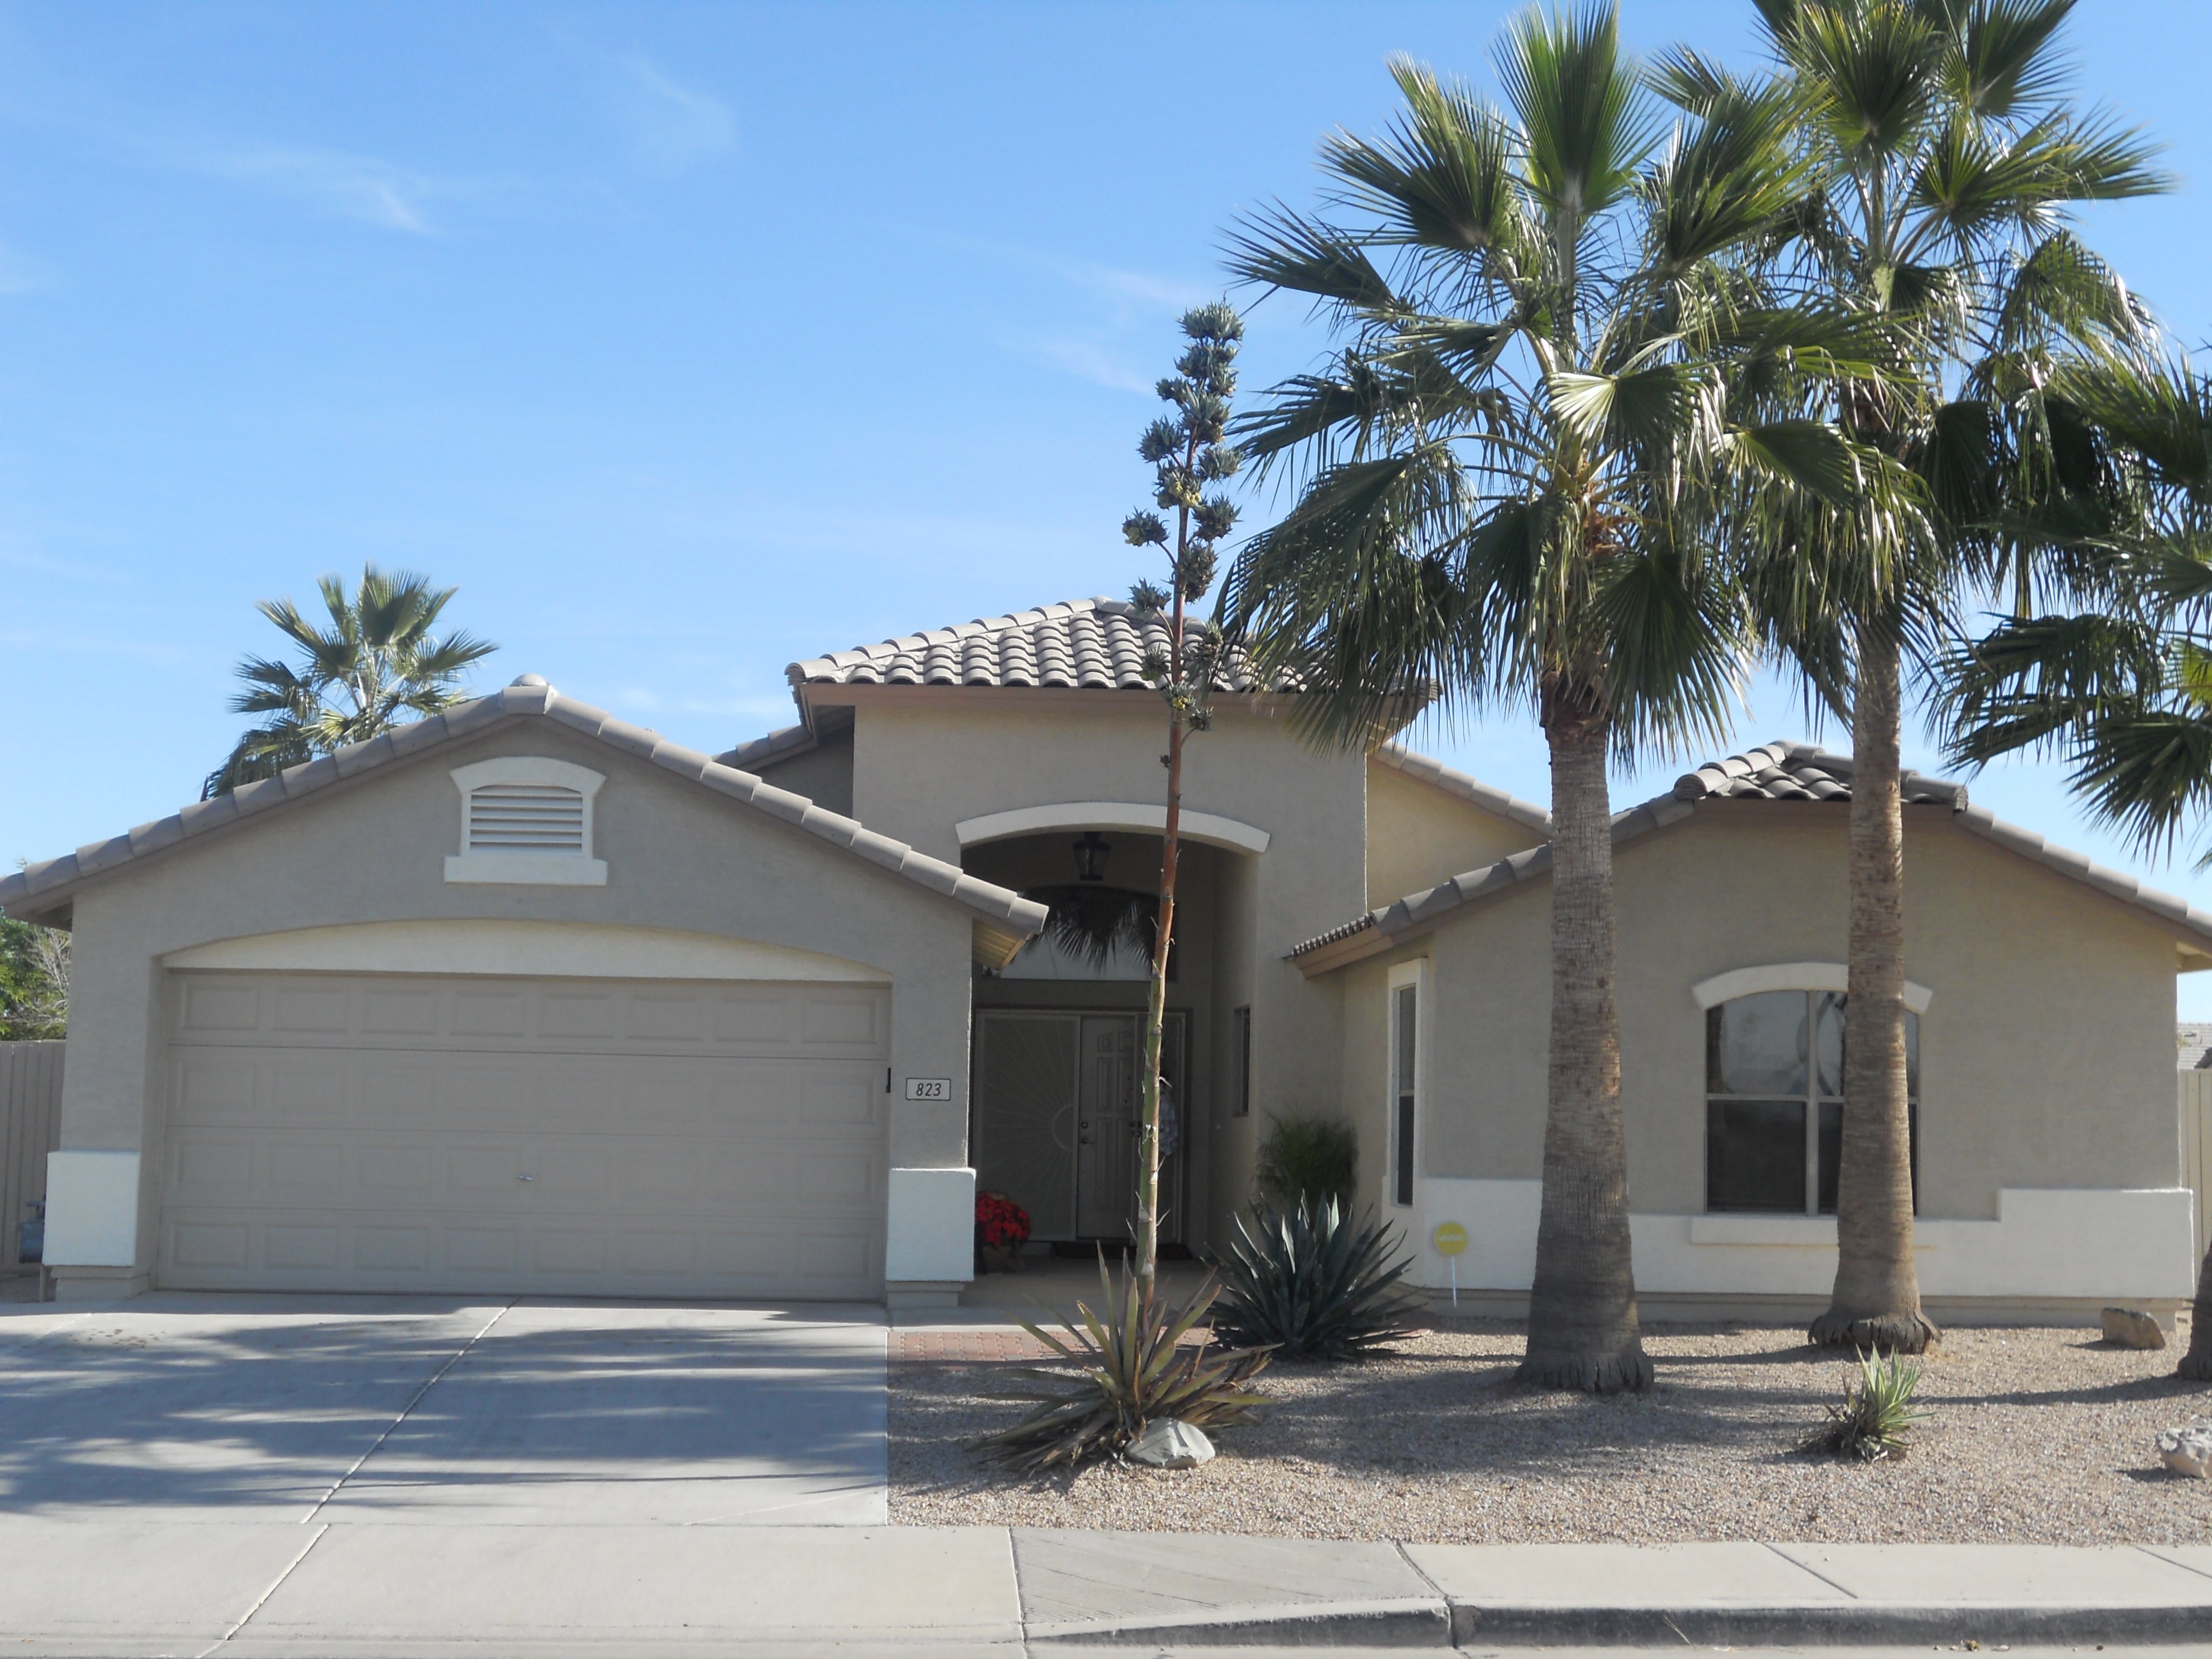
(526, 818)
(1774, 1106)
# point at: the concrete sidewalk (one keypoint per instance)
(348, 1588)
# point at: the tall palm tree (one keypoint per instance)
(1944, 159)
(2121, 687)
(377, 663)
(1516, 480)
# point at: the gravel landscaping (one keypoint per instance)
(2033, 1436)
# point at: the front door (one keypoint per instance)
(1106, 1129)
(1040, 1075)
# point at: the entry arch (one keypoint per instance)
(1144, 817)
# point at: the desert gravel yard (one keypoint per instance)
(2033, 1436)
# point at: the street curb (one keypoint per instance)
(1400, 1623)
(1825, 1625)
(1430, 1624)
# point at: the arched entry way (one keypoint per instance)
(1057, 1040)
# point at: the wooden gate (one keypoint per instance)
(2196, 1146)
(30, 1127)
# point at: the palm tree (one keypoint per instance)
(1517, 481)
(2122, 687)
(377, 662)
(1943, 159)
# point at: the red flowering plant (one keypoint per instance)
(1000, 1222)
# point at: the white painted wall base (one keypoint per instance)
(96, 1284)
(931, 1231)
(2045, 1243)
(92, 1209)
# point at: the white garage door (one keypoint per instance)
(616, 1137)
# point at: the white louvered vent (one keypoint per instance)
(529, 820)
(525, 817)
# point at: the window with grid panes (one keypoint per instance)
(1774, 1105)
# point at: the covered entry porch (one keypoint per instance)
(1058, 1032)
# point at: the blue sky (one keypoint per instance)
(686, 340)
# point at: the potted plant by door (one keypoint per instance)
(1002, 1227)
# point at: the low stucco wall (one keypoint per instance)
(373, 850)
(2045, 1059)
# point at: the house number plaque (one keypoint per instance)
(929, 1088)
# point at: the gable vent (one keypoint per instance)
(525, 817)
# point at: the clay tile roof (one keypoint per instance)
(1090, 645)
(1798, 771)
(1774, 771)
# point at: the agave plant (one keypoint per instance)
(1135, 1372)
(1310, 1281)
(1877, 1416)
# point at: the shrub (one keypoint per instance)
(1000, 1222)
(1308, 1160)
(1312, 1282)
(1877, 1415)
(1134, 1374)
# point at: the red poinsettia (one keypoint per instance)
(1000, 1221)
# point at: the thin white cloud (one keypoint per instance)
(668, 126)
(357, 187)
(44, 564)
(1087, 359)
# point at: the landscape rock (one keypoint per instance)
(2131, 1328)
(1170, 1443)
(2188, 1450)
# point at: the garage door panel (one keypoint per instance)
(212, 1167)
(221, 1008)
(396, 1174)
(372, 1133)
(303, 1169)
(487, 1014)
(379, 1251)
(301, 1247)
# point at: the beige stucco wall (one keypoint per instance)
(373, 849)
(926, 759)
(2045, 1054)
(1419, 835)
(822, 774)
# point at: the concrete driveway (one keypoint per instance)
(391, 1410)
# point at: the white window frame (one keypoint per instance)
(1414, 975)
(561, 868)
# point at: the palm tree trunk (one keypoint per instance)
(2196, 1366)
(1876, 1301)
(1583, 1328)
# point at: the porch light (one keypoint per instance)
(1091, 855)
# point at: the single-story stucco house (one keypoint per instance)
(523, 999)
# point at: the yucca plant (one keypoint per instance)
(1312, 1282)
(1877, 1416)
(1134, 1374)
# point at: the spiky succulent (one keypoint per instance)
(1313, 1282)
(1136, 1371)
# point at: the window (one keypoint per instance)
(526, 818)
(1774, 1107)
(1240, 1037)
(1405, 1080)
